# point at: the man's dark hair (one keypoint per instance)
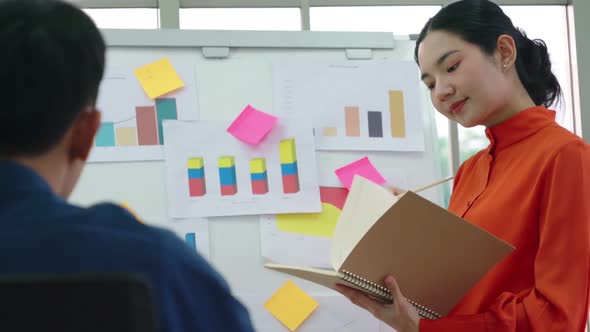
(52, 58)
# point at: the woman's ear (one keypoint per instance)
(506, 52)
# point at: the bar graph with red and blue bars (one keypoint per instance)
(196, 177)
(289, 173)
(227, 176)
(258, 176)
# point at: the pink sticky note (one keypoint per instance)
(252, 125)
(362, 167)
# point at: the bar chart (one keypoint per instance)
(210, 173)
(355, 106)
(228, 183)
(132, 123)
(147, 130)
(374, 120)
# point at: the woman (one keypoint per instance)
(530, 187)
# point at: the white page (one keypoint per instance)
(322, 89)
(226, 86)
(335, 313)
(209, 140)
(120, 92)
(366, 203)
(197, 226)
(308, 250)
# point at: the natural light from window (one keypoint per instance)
(124, 18)
(240, 18)
(400, 20)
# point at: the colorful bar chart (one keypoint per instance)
(191, 240)
(375, 120)
(196, 177)
(227, 176)
(147, 129)
(397, 115)
(352, 120)
(166, 109)
(289, 173)
(259, 176)
(106, 135)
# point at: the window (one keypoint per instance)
(124, 18)
(401, 20)
(240, 18)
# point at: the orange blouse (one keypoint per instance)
(530, 187)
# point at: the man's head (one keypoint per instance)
(53, 61)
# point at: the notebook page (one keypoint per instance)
(365, 204)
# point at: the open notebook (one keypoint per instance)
(435, 256)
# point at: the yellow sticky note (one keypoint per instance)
(291, 305)
(128, 208)
(158, 78)
(319, 224)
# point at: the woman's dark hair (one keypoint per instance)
(54, 58)
(481, 22)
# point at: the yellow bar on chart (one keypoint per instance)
(195, 163)
(397, 115)
(330, 131)
(288, 153)
(226, 161)
(126, 136)
(258, 165)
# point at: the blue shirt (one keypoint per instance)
(40, 233)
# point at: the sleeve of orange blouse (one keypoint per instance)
(559, 300)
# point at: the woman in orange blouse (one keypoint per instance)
(530, 187)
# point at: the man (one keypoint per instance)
(53, 60)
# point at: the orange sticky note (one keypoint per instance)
(291, 305)
(158, 78)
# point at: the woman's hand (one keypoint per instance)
(400, 314)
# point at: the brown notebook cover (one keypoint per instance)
(435, 256)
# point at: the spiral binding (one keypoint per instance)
(384, 294)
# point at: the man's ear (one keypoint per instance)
(83, 132)
(506, 51)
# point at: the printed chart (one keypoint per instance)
(230, 177)
(194, 232)
(304, 239)
(132, 124)
(369, 105)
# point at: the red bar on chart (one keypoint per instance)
(290, 183)
(259, 187)
(229, 190)
(196, 187)
(147, 125)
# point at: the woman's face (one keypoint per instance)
(466, 85)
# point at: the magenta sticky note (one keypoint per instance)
(252, 125)
(362, 167)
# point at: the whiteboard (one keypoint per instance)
(234, 69)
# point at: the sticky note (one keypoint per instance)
(252, 125)
(158, 78)
(362, 167)
(126, 206)
(291, 305)
(317, 224)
